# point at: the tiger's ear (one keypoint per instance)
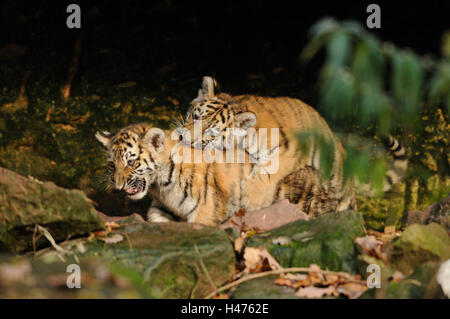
(207, 89)
(104, 137)
(245, 120)
(154, 138)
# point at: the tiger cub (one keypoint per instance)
(146, 160)
(214, 119)
(219, 116)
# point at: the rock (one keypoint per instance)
(437, 213)
(417, 245)
(167, 260)
(386, 273)
(387, 210)
(421, 284)
(25, 278)
(25, 202)
(263, 288)
(326, 241)
(267, 218)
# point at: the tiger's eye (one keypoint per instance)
(130, 162)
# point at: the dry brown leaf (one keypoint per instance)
(239, 244)
(259, 259)
(352, 290)
(332, 280)
(282, 240)
(397, 276)
(368, 243)
(109, 226)
(240, 213)
(100, 233)
(14, 272)
(114, 239)
(293, 283)
(371, 246)
(315, 292)
(317, 283)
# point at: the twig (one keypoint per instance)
(59, 249)
(278, 272)
(199, 279)
(204, 267)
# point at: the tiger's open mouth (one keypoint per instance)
(140, 187)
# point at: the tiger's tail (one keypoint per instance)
(396, 171)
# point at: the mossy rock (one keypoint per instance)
(421, 284)
(168, 260)
(417, 245)
(386, 210)
(40, 279)
(27, 202)
(326, 241)
(263, 288)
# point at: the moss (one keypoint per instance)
(421, 284)
(326, 241)
(419, 244)
(175, 260)
(63, 212)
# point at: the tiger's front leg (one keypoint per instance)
(157, 214)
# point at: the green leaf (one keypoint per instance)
(354, 28)
(407, 83)
(368, 64)
(338, 49)
(323, 26)
(378, 174)
(338, 96)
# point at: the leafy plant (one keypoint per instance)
(369, 88)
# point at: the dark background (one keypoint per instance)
(228, 39)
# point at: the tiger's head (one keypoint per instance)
(133, 158)
(210, 115)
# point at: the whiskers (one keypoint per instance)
(102, 183)
(178, 123)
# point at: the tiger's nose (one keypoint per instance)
(119, 187)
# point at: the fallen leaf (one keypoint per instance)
(81, 248)
(240, 213)
(352, 290)
(14, 272)
(371, 246)
(239, 244)
(100, 233)
(257, 259)
(111, 225)
(315, 292)
(282, 240)
(397, 276)
(114, 239)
